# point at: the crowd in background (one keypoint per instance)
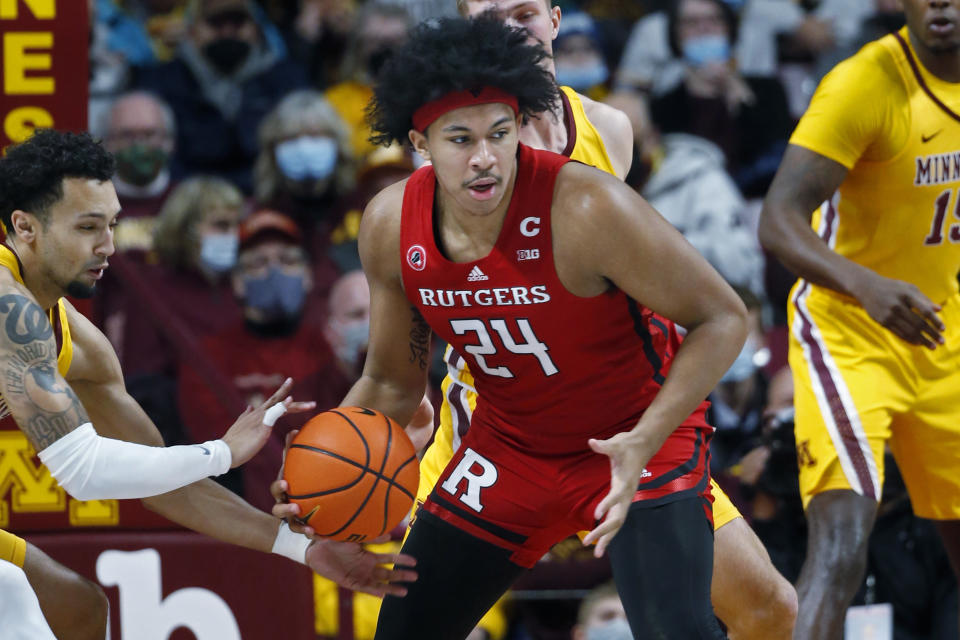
(244, 167)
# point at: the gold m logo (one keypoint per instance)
(29, 488)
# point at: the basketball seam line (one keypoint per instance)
(353, 463)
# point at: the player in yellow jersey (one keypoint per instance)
(59, 209)
(875, 320)
(600, 135)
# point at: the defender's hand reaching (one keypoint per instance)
(249, 433)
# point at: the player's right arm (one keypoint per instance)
(395, 371)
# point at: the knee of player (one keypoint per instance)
(779, 612)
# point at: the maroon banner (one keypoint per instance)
(206, 590)
(44, 69)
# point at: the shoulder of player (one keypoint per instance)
(94, 359)
(584, 197)
(614, 128)
(379, 236)
(871, 70)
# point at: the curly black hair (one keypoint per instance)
(457, 54)
(32, 172)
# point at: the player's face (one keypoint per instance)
(473, 151)
(935, 23)
(536, 16)
(78, 239)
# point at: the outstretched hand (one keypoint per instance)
(250, 431)
(352, 566)
(627, 461)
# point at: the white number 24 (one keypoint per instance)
(531, 344)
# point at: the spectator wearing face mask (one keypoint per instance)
(273, 340)
(139, 129)
(154, 312)
(579, 57)
(746, 116)
(304, 168)
(601, 616)
(224, 79)
(380, 28)
(348, 322)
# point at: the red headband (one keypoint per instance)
(427, 113)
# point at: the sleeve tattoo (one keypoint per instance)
(42, 403)
(419, 339)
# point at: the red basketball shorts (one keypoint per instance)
(526, 502)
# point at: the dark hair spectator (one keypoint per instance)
(225, 78)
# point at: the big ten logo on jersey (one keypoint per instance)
(26, 487)
(478, 473)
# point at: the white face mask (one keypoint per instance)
(218, 251)
(617, 629)
(307, 157)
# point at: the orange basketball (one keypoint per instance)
(354, 473)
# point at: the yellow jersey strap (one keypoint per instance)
(918, 76)
(588, 146)
(10, 260)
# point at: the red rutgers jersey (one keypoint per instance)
(552, 369)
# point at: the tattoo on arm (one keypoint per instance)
(419, 339)
(42, 403)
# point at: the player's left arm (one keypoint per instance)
(616, 132)
(607, 234)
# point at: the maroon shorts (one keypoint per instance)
(527, 503)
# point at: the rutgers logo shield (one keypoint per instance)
(416, 257)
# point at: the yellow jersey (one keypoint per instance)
(57, 319)
(896, 127)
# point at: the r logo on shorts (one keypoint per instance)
(475, 482)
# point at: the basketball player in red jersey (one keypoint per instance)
(749, 595)
(545, 274)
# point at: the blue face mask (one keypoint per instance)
(307, 158)
(278, 296)
(583, 78)
(617, 629)
(218, 251)
(706, 49)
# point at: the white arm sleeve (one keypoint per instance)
(91, 467)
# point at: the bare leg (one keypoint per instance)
(748, 593)
(950, 532)
(839, 522)
(75, 608)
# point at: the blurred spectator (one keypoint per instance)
(317, 32)
(738, 402)
(379, 29)
(601, 616)
(139, 130)
(154, 314)
(578, 56)
(304, 167)
(683, 177)
(195, 247)
(225, 78)
(380, 168)
(348, 322)
(109, 70)
(272, 280)
(746, 116)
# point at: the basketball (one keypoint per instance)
(354, 473)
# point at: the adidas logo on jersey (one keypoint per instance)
(476, 275)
